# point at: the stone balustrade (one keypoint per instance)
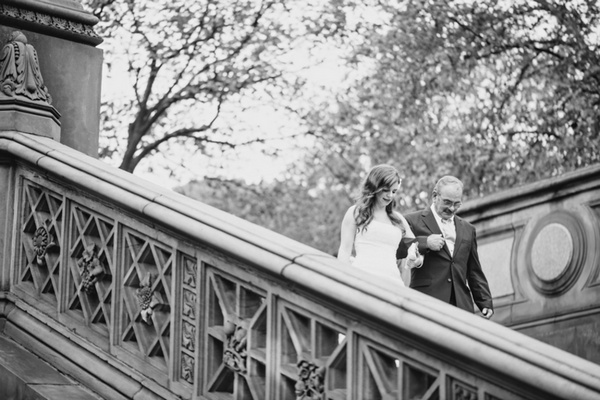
(140, 293)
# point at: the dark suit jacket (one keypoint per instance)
(442, 273)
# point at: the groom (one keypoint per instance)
(451, 270)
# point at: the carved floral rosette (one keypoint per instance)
(234, 354)
(91, 267)
(148, 298)
(310, 383)
(42, 241)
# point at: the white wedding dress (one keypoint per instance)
(375, 249)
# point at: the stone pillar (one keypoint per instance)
(61, 32)
(25, 103)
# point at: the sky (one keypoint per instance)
(250, 163)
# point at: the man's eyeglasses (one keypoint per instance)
(450, 203)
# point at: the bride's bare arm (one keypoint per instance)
(409, 232)
(348, 230)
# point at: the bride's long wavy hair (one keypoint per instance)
(380, 178)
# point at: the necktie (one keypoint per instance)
(449, 233)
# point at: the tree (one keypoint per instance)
(310, 216)
(187, 60)
(497, 93)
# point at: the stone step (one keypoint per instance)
(24, 376)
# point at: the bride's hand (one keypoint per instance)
(414, 258)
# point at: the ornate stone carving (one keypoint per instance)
(188, 336)
(24, 99)
(189, 311)
(83, 31)
(234, 355)
(189, 304)
(148, 298)
(91, 267)
(20, 74)
(310, 383)
(187, 368)
(42, 241)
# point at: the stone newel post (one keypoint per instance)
(54, 39)
(25, 104)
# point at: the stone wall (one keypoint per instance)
(138, 292)
(540, 248)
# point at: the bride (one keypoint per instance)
(374, 230)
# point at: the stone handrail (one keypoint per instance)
(139, 293)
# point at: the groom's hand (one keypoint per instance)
(435, 242)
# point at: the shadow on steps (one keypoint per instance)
(24, 376)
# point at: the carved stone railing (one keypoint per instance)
(140, 293)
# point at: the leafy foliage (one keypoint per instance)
(497, 93)
(308, 216)
(188, 60)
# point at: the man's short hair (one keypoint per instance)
(445, 181)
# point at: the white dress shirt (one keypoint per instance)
(448, 229)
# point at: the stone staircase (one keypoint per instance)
(24, 376)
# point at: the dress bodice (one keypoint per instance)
(376, 247)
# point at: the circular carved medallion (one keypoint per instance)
(551, 252)
(556, 252)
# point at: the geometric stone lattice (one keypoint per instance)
(39, 264)
(91, 267)
(147, 265)
(236, 336)
(419, 382)
(312, 356)
(385, 375)
(189, 312)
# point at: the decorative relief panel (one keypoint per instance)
(236, 339)
(91, 267)
(20, 75)
(145, 300)
(42, 213)
(189, 315)
(49, 21)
